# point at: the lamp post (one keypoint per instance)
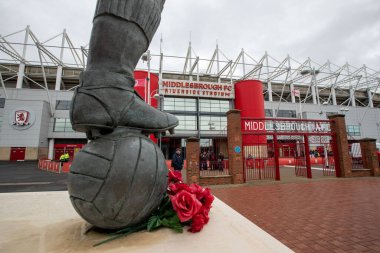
(159, 98)
(146, 57)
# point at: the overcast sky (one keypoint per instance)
(341, 31)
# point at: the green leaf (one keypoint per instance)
(173, 223)
(120, 234)
(169, 213)
(165, 205)
(154, 222)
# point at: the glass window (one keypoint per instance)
(63, 105)
(286, 114)
(353, 130)
(187, 122)
(180, 104)
(68, 126)
(62, 125)
(2, 102)
(210, 105)
(213, 123)
(268, 113)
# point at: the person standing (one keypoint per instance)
(212, 158)
(177, 160)
(203, 158)
(249, 162)
(221, 161)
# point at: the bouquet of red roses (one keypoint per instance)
(191, 203)
(183, 205)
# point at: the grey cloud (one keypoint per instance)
(326, 29)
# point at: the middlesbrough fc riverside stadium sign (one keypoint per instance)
(285, 126)
(197, 89)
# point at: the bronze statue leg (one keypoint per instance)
(122, 31)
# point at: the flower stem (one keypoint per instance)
(123, 232)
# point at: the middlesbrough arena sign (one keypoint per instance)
(197, 89)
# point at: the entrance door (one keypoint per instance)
(17, 154)
(259, 162)
(300, 160)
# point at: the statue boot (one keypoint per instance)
(105, 98)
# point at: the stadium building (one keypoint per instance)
(38, 80)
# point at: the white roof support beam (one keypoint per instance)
(269, 83)
(74, 53)
(235, 64)
(11, 51)
(352, 92)
(279, 70)
(292, 95)
(256, 68)
(333, 96)
(282, 93)
(352, 97)
(370, 97)
(188, 59)
(209, 68)
(58, 79)
(21, 69)
(224, 69)
(3, 85)
(243, 60)
(195, 64)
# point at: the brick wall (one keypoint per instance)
(215, 180)
(192, 160)
(361, 173)
(369, 156)
(235, 141)
(338, 127)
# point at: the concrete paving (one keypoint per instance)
(334, 215)
(46, 222)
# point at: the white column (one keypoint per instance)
(369, 94)
(333, 95)
(270, 91)
(313, 94)
(51, 149)
(292, 93)
(352, 97)
(21, 68)
(20, 75)
(243, 60)
(58, 78)
(317, 93)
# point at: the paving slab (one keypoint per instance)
(46, 222)
(339, 215)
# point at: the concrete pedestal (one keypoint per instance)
(46, 222)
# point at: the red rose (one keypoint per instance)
(203, 195)
(175, 176)
(198, 222)
(197, 190)
(208, 198)
(204, 211)
(185, 204)
(173, 188)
